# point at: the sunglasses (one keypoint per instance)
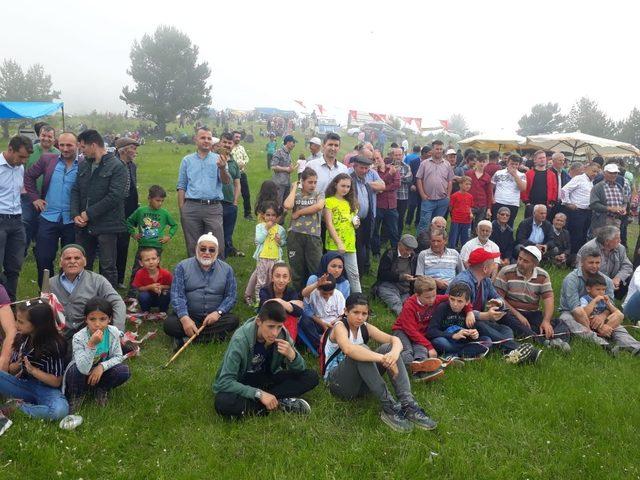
(205, 250)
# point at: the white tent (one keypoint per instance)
(500, 141)
(579, 143)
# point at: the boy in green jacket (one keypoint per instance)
(261, 370)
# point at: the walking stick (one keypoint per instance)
(186, 344)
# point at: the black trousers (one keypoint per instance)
(284, 384)
(534, 318)
(414, 208)
(216, 331)
(122, 251)
(363, 246)
(578, 224)
(402, 210)
(103, 245)
(246, 194)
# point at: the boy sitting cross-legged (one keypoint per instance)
(261, 370)
(418, 354)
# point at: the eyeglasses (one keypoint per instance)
(504, 213)
(205, 250)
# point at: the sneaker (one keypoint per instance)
(560, 345)
(429, 376)
(5, 423)
(10, 406)
(428, 365)
(71, 422)
(525, 353)
(239, 253)
(396, 420)
(101, 397)
(419, 418)
(294, 405)
(452, 361)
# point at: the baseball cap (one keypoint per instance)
(611, 168)
(533, 250)
(451, 151)
(409, 241)
(125, 142)
(289, 138)
(316, 141)
(480, 255)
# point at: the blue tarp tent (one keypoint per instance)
(12, 110)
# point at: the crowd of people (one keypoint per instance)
(468, 282)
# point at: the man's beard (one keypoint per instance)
(205, 262)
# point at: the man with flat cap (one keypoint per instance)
(396, 273)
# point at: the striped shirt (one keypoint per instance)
(52, 364)
(442, 267)
(523, 293)
(577, 191)
(406, 180)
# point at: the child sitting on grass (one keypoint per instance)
(36, 366)
(148, 224)
(604, 316)
(322, 307)
(152, 282)
(261, 370)
(449, 330)
(97, 363)
(418, 354)
(351, 369)
(270, 238)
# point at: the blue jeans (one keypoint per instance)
(49, 235)
(631, 309)
(462, 348)
(430, 209)
(459, 231)
(387, 219)
(149, 299)
(497, 333)
(40, 400)
(229, 217)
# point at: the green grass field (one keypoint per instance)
(567, 417)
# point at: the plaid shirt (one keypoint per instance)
(406, 179)
(614, 194)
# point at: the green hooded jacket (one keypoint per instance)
(237, 360)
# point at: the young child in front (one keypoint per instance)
(152, 282)
(351, 369)
(261, 370)
(148, 225)
(460, 205)
(36, 366)
(603, 315)
(97, 364)
(322, 307)
(418, 354)
(450, 332)
(270, 238)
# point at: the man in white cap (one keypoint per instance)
(315, 147)
(484, 230)
(203, 292)
(607, 201)
(523, 286)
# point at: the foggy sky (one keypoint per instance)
(488, 60)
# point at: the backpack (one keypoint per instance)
(325, 338)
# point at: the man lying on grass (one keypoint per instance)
(261, 370)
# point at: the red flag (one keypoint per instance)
(299, 102)
(353, 114)
(418, 123)
(407, 120)
(445, 124)
(378, 117)
(320, 109)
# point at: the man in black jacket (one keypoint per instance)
(97, 203)
(396, 273)
(560, 253)
(535, 230)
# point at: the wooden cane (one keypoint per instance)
(186, 344)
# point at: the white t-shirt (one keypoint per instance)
(507, 191)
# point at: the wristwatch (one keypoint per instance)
(258, 394)
(220, 312)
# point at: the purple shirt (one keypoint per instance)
(435, 178)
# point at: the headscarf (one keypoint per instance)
(324, 264)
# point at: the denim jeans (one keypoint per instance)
(76, 383)
(149, 299)
(12, 248)
(413, 211)
(49, 235)
(387, 219)
(41, 401)
(631, 309)
(461, 348)
(459, 231)
(229, 217)
(497, 333)
(430, 209)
